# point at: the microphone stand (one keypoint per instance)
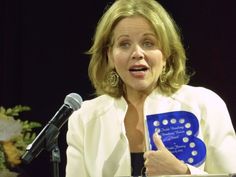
(52, 145)
(55, 159)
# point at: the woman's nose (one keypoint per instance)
(138, 53)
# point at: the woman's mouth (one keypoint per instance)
(138, 71)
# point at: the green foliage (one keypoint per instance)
(19, 141)
(13, 112)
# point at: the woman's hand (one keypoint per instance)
(162, 161)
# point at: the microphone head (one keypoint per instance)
(74, 100)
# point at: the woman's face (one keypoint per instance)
(135, 54)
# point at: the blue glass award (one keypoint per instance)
(178, 131)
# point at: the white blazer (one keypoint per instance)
(98, 146)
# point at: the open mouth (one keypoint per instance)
(138, 69)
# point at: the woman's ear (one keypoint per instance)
(110, 58)
(164, 61)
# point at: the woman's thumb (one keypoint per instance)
(158, 142)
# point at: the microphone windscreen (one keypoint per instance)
(74, 100)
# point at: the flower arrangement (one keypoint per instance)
(15, 135)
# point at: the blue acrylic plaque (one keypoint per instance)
(178, 131)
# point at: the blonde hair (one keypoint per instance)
(167, 33)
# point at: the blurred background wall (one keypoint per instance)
(42, 55)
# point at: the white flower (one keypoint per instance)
(8, 174)
(9, 128)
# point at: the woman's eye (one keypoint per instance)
(124, 44)
(148, 44)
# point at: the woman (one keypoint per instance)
(146, 119)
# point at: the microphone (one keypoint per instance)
(48, 135)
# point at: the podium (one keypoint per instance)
(205, 175)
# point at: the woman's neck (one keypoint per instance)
(136, 98)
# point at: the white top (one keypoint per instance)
(98, 146)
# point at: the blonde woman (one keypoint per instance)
(145, 119)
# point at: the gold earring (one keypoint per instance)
(113, 78)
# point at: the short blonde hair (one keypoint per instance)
(167, 33)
